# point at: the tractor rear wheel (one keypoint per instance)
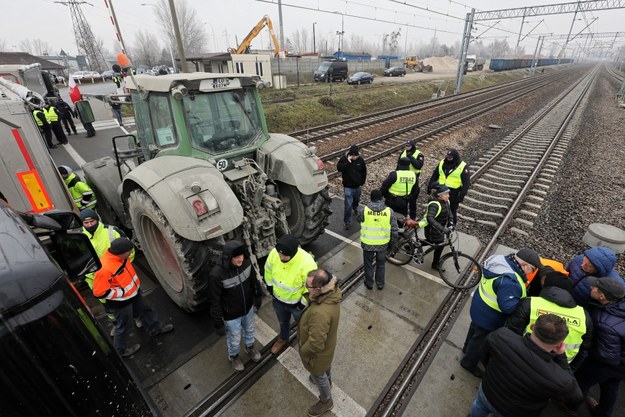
(178, 263)
(309, 213)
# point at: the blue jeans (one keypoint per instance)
(482, 407)
(244, 325)
(352, 199)
(284, 313)
(380, 262)
(323, 383)
(124, 321)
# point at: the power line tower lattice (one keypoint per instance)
(85, 41)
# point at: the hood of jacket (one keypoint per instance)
(376, 205)
(603, 259)
(502, 264)
(231, 249)
(328, 293)
(559, 296)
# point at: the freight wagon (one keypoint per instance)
(510, 64)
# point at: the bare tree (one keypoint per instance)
(146, 50)
(35, 46)
(391, 41)
(191, 28)
(3, 45)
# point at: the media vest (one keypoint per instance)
(37, 119)
(575, 320)
(51, 114)
(454, 179)
(288, 279)
(488, 294)
(416, 154)
(376, 227)
(403, 184)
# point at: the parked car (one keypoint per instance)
(60, 79)
(92, 74)
(330, 71)
(360, 78)
(108, 74)
(395, 71)
(78, 75)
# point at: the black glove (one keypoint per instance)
(258, 301)
(300, 306)
(446, 230)
(270, 289)
(220, 328)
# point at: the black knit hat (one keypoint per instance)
(376, 195)
(88, 214)
(287, 245)
(353, 150)
(120, 245)
(530, 256)
(557, 279)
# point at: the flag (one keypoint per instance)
(74, 92)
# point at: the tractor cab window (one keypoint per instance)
(223, 121)
(162, 121)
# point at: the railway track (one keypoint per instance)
(424, 130)
(538, 142)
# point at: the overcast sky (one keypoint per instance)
(50, 21)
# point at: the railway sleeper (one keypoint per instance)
(519, 231)
(535, 198)
(494, 190)
(476, 201)
(528, 213)
(507, 178)
(544, 181)
(509, 174)
(513, 166)
(483, 212)
(532, 205)
(489, 196)
(524, 222)
(479, 221)
(500, 183)
(545, 186)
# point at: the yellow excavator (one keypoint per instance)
(244, 47)
(416, 65)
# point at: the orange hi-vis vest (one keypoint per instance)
(117, 280)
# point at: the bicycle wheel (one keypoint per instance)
(401, 252)
(459, 270)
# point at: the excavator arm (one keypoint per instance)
(246, 43)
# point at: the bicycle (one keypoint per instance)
(453, 265)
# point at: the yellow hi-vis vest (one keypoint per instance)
(488, 295)
(575, 320)
(403, 184)
(376, 227)
(101, 240)
(454, 180)
(424, 221)
(416, 154)
(288, 279)
(37, 119)
(51, 115)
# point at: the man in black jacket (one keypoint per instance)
(354, 172)
(67, 114)
(452, 172)
(524, 372)
(556, 298)
(234, 290)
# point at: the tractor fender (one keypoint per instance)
(102, 176)
(288, 160)
(176, 184)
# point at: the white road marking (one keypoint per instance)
(75, 156)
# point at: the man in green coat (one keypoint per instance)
(317, 332)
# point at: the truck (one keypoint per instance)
(56, 358)
(473, 63)
(201, 170)
(32, 77)
(417, 65)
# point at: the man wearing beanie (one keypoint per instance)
(401, 189)
(414, 155)
(119, 284)
(286, 269)
(378, 229)
(555, 298)
(500, 292)
(354, 174)
(452, 171)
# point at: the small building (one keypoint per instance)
(70, 63)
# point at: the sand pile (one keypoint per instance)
(442, 63)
